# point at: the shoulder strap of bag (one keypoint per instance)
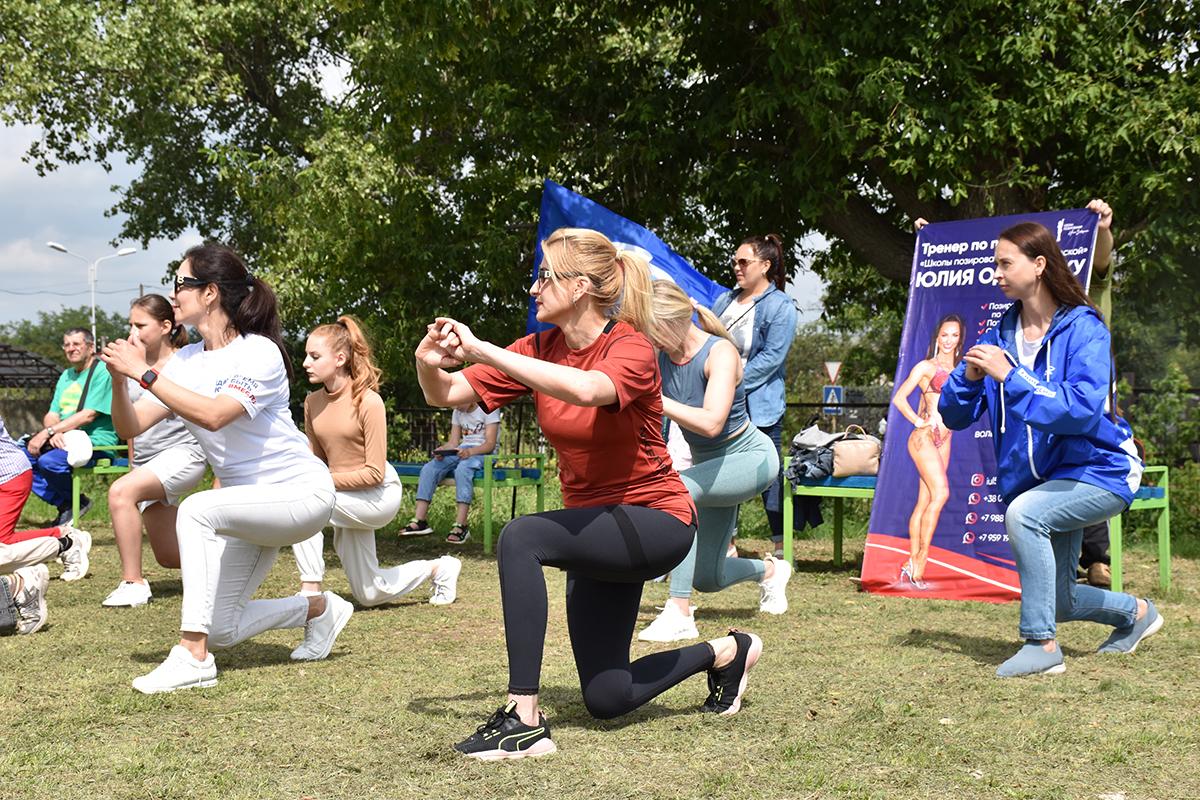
(86, 383)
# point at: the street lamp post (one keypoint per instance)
(93, 266)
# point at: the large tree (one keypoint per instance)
(414, 186)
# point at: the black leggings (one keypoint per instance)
(609, 552)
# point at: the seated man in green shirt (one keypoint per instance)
(83, 400)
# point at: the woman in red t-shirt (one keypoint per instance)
(627, 517)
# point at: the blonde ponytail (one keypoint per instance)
(634, 304)
(671, 312)
(711, 323)
(346, 336)
(620, 278)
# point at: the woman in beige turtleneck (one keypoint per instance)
(347, 428)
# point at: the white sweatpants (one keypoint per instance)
(27, 553)
(228, 540)
(356, 517)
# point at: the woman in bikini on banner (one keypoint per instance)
(929, 443)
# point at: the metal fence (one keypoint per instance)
(414, 432)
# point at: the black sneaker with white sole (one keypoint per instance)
(727, 685)
(505, 736)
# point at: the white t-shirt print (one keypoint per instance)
(264, 446)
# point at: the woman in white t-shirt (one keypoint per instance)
(473, 434)
(231, 391)
(167, 463)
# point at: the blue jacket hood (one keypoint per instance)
(1054, 421)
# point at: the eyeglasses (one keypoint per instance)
(546, 274)
(742, 263)
(187, 281)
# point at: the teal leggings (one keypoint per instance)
(722, 478)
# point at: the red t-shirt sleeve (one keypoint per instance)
(496, 388)
(630, 363)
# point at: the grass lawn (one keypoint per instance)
(855, 696)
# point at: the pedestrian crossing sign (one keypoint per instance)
(831, 396)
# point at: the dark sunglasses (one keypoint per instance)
(186, 281)
(744, 262)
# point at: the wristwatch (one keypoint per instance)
(50, 431)
(148, 377)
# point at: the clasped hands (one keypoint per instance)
(987, 359)
(125, 357)
(448, 343)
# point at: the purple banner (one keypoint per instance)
(952, 288)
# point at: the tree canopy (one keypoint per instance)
(44, 335)
(412, 185)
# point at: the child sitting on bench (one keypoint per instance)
(473, 434)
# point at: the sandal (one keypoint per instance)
(418, 527)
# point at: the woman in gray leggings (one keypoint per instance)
(733, 461)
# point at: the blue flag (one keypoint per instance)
(562, 208)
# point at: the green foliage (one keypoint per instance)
(44, 336)
(866, 306)
(1166, 419)
(1185, 508)
(414, 188)
(1148, 343)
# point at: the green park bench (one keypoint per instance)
(1150, 497)
(103, 465)
(495, 474)
(854, 487)
(1156, 496)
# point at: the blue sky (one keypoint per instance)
(67, 206)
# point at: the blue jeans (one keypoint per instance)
(721, 479)
(1045, 529)
(435, 471)
(52, 477)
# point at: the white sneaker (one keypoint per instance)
(321, 631)
(672, 625)
(75, 560)
(180, 670)
(445, 583)
(31, 600)
(772, 599)
(128, 594)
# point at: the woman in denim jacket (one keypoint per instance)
(761, 317)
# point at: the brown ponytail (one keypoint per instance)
(249, 303)
(160, 309)
(346, 336)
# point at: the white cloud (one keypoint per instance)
(67, 206)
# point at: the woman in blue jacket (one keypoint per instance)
(761, 318)
(1065, 459)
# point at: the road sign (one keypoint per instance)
(831, 396)
(833, 369)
